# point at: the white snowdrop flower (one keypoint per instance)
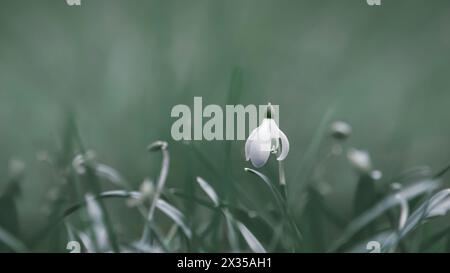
(146, 192)
(360, 160)
(147, 188)
(81, 161)
(340, 130)
(264, 140)
(376, 175)
(78, 164)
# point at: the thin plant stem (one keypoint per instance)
(160, 185)
(282, 179)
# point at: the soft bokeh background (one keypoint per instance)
(121, 66)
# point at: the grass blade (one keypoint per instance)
(416, 219)
(382, 206)
(307, 164)
(175, 215)
(11, 241)
(110, 174)
(169, 210)
(97, 223)
(275, 192)
(209, 191)
(251, 240)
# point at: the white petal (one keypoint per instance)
(259, 144)
(248, 143)
(273, 128)
(259, 152)
(264, 130)
(284, 146)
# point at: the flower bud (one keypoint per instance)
(146, 190)
(157, 145)
(79, 164)
(340, 130)
(376, 174)
(360, 160)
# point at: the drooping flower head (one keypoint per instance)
(361, 161)
(340, 130)
(266, 139)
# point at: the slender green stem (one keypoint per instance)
(160, 185)
(286, 212)
(282, 179)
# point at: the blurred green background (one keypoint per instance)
(120, 66)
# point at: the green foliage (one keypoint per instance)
(105, 80)
(222, 225)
